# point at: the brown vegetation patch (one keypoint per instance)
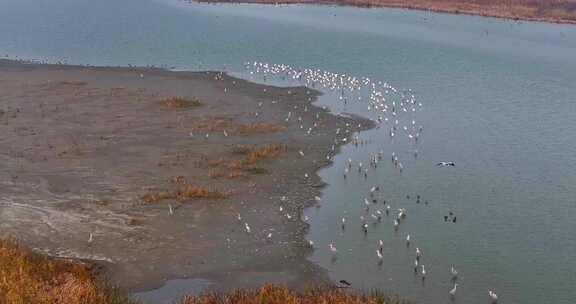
(258, 128)
(180, 103)
(250, 164)
(178, 179)
(221, 124)
(184, 193)
(135, 222)
(73, 83)
(266, 152)
(271, 294)
(27, 277)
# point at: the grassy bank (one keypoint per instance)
(271, 294)
(30, 278)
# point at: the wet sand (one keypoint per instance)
(81, 146)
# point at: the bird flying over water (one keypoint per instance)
(446, 164)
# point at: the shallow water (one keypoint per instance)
(499, 100)
(172, 289)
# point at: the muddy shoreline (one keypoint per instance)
(81, 146)
(495, 10)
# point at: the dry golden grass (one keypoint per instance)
(262, 153)
(237, 168)
(258, 128)
(271, 294)
(183, 193)
(178, 179)
(30, 278)
(180, 103)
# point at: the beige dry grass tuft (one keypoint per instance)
(180, 103)
(183, 193)
(30, 278)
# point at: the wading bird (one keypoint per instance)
(493, 296)
(452, 292)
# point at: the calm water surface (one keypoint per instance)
(499, 99)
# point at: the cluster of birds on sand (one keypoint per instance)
(394, 111)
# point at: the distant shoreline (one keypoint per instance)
(559, 13)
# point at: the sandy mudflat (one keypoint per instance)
(80, 147)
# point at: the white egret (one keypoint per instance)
(493, 296)
(452, 292)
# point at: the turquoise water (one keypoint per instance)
(499, 99)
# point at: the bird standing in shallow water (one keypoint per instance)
(454, 273)
(423, 273)
(453, 290)
(333, 248)
(493, 296)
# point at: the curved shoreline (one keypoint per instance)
(444, 8)
(122, 106)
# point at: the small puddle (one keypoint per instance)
(172, 291)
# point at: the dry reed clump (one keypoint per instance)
(30, 278)
(258, 128)
(271, 294)
(268, 151)
(178, 179)
(183, 193)
(249, 164)
(229, 174)
(180, 102)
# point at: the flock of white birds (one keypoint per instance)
(394, 111)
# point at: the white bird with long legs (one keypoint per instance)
(452, 292)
